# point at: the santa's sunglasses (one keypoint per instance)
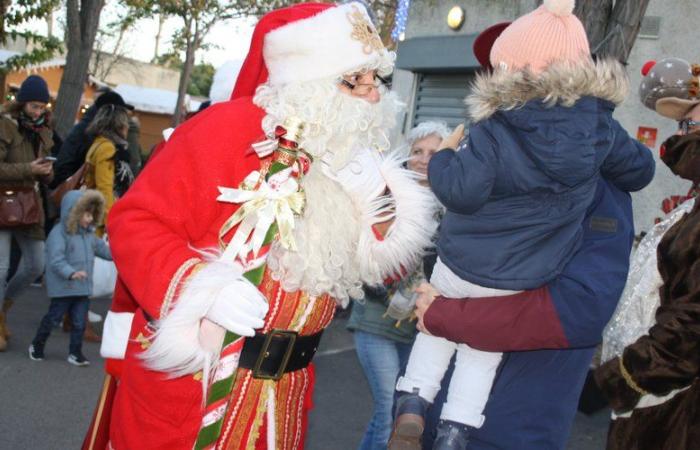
(687, 125)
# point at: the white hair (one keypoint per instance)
(425, 129)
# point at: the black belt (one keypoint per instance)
(272, 355)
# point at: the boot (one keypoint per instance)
(409, 424)
(90, 334)
(3, 327)
(6, 305)
(451, 436)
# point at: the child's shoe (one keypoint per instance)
(78, 360)
(451, 436)
(36, 352)
(407, 434)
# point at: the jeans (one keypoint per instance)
(381, 359)
(31, 265)
(78, 308)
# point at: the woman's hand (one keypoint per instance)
(41, 167)
(426, 296)
(453, 140)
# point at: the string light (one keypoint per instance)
(400, 21)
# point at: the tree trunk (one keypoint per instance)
(185, 76)
(161, 21)
(3, 76)
(595, 15)
(625, 22)
(82, 23)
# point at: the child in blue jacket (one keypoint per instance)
(71, 248)
(516, 192)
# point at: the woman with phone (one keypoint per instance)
(25, 142)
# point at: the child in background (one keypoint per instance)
(71, 248)
(516, 192)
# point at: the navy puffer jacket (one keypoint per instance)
(517, 189)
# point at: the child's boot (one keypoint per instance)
(451, 436)
(411, 410)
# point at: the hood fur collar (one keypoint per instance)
(92, 201)
(561, 83)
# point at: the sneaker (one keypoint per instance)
(36, 353)
(78, 360)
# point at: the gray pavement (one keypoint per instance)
(48, 404)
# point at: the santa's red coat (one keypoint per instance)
(169, 211)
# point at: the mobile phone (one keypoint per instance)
(49, 159)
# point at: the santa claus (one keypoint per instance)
(365, 219)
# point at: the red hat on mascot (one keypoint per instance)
(311, 41)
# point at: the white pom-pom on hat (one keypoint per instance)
(560, 7)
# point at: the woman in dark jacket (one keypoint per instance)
(25, 141)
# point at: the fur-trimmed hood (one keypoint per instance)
(562, 83)
(75, 203)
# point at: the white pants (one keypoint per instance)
(474, 370)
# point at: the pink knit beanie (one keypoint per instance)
(551, 33)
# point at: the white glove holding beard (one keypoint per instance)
(239, 308)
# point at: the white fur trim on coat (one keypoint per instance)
(115, 334)
(329, 44)
(176, 346)
(562, 82)
(413, 208)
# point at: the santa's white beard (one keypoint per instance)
(327, 235)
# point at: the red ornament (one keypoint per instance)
(662, 151)
(646, 68)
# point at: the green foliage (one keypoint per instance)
(13, 15)
(201, 79)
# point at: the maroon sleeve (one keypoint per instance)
(523, 321)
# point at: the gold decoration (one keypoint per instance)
(198, 376)
(141, 339)
(363, 31)
(628, 379)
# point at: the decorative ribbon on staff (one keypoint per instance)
(276, 200)
(270, 199)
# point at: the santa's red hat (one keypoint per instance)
(311, 41)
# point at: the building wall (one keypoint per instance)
(678, 24)
(137, 73)
(152, 126)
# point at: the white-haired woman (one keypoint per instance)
(382, 344)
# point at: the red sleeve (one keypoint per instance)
(524, 321)
(171, 209)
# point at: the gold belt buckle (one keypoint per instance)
(264, 353)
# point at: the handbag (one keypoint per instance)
(19, 207)
(104, 277)
(73, 182)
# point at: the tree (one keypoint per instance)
(200, 82)
(40, 48)
(104, 59)
(82, 21)
(612, 26)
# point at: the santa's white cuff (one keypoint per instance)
(176, 345)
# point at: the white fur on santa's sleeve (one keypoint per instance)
(412, 232)
(176, 346)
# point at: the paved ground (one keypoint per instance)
(47, 405)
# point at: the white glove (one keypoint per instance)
(239, 308)
(361, 177)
